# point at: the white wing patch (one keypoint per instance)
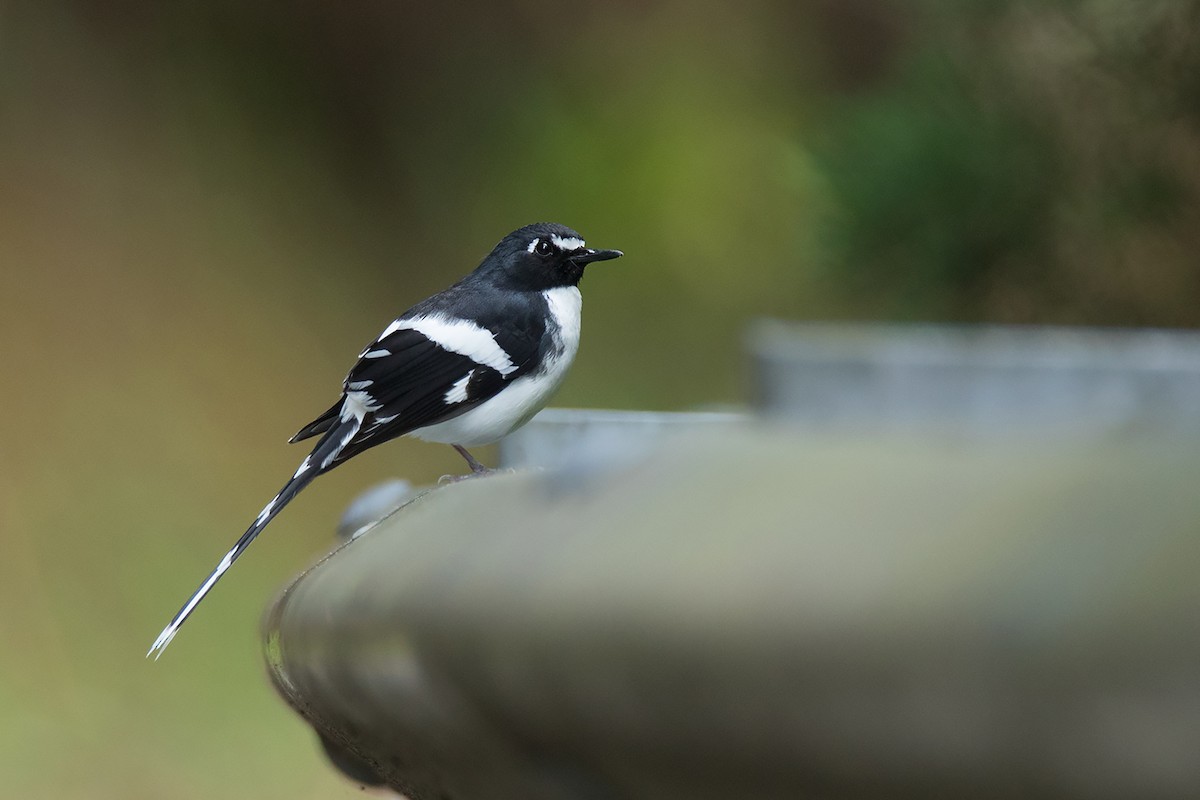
(458, 392)
(392, 327)
(358, 404)
(459, 336)
(379, 422)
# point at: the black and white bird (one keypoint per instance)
(464, 367)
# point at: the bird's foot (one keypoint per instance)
(476, 467)
(474, 473)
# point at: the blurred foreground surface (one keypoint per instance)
(754, 612)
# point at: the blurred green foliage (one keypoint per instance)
(1019, 162)
(207, 208)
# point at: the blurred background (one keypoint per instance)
(207, 209)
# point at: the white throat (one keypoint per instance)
(566, 310)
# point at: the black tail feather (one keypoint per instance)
(318, 425)
(319, 460)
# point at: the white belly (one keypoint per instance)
(520, 400)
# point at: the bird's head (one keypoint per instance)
(542, 256)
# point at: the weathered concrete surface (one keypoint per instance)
(759, 614)
(979, 381)
(581, 441)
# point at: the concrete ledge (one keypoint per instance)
(762, 614)
(582, 440)
(978, 381)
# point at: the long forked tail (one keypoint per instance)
(313, 465)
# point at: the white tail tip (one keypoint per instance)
(164, 639)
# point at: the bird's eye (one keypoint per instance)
(543, 248)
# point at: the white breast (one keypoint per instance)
(525, 396)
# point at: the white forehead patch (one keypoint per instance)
(567, 245)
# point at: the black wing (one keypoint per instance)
(405, 376)
(405, 380)
(318, 425)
